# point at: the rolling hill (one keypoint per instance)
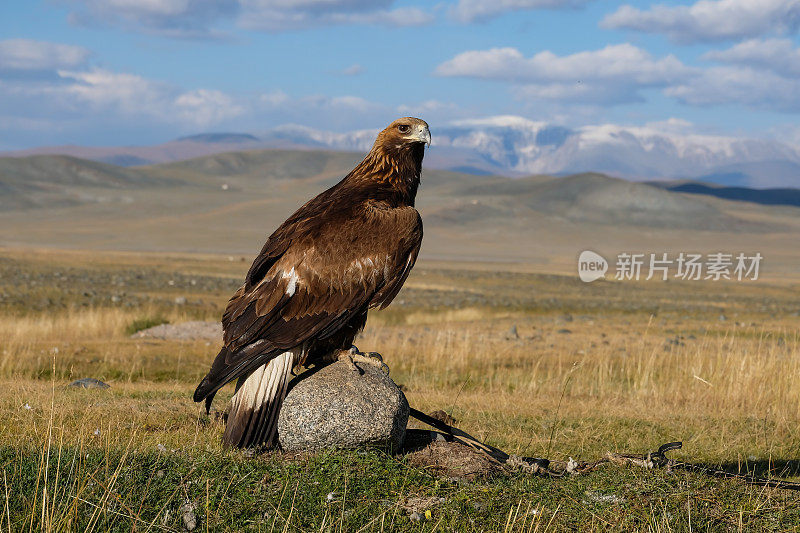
(229, 202)
(47, 181)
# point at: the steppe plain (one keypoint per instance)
(493, 327)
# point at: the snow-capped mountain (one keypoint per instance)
(516, 146)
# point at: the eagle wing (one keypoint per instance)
(312, 277)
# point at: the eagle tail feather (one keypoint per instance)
(253, 418)
(222, 371)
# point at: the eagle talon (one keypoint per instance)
(372, 358)
(373, 355)
(349, 357)
(353, 356)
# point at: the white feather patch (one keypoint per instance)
(293, 278)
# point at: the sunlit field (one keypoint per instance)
(536, 364)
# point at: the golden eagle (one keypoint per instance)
(307, 294)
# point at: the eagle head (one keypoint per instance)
(405, 132)
(395, 159)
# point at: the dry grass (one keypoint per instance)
(566, 383)
(729, 393)
(578, 380)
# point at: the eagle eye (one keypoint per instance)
(403, 128)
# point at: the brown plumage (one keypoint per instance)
(307, 293)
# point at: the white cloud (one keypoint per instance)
(171, 18)
(427, 107)
(299, 105)
(274, 98)
(69, 104)
(739, 86)
(580, 93)
(108, 93)
(351, 102)
(205, 107)
(622, 61)
(759, 73)
(480, 10)
(27, 54)
(103, 89)
(283, 15)
(201, 19)
(777, 55)
(613, 74)
(710, 20)
(353, 70)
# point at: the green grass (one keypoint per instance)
(144, 323)
(78, 490)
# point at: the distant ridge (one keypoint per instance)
(784, 196)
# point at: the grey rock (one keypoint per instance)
(416, 439)
(339, 407)
(89, 383)
(186, 331)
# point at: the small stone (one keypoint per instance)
(336, 407)
(180, 300)
(512, 333)
(188, 516)
(89, 383)
(415, 517)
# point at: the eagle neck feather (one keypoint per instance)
(394, 169)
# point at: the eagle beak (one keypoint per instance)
(423, 134)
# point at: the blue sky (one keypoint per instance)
(105, 72)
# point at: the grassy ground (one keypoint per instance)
(593, 367)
